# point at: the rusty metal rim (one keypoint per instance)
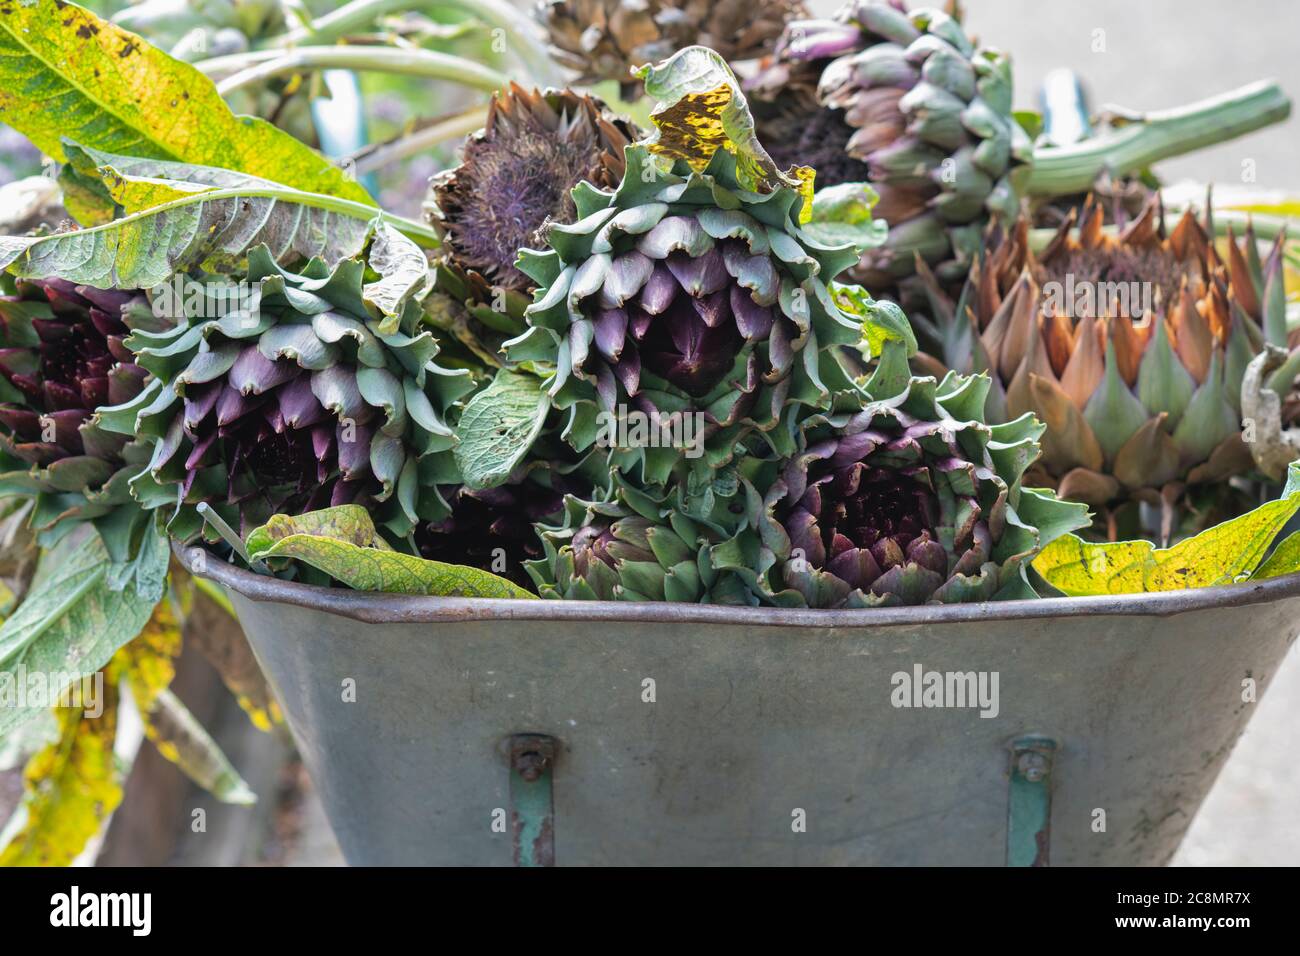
(375, 608)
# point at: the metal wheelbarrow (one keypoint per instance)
(1081, 731)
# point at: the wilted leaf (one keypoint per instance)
(148, 666)
(66, 72)
(701, 110)
(180, 738)
(842, 215)
(1228, 552)
(72, 785)
(314, 540)
(72, 621)
(498, 427)
(403, 274)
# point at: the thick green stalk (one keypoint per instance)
(497, 14)
(1062, 170)
(426, 63)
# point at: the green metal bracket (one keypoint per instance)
(532, 807)
(1029, 805)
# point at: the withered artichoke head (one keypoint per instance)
(62, 358)
(514, 180)
(605, 39)
(297, 396)
(912, 499)
(682, 294)
(516, 176)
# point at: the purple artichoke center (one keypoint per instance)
(1152, 267)
(680, 347)
(864, 526)
(286, 458)
(74, 366)
(868, 508)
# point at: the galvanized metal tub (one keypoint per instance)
(766, 736)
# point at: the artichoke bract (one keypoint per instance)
(605, 39)
(682, 294)
(62, 357)
(515, 178)
(906, 101)
(909, 499)
(292, 396)
(631, 547)
(1131, 347)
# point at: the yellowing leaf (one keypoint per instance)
(1226, 553)
(702, 109)
(180, 738)
(72, 785)
(1285, 559)
(692, 129)
(330, 541)
(149, 662)
(66, 72)
(882, 321)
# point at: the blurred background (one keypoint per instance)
(1145, 56)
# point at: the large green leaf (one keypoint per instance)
(498, 427)
(343, 543)
(205, 227)
(1224, 554)
(73, 620)
(64, 72)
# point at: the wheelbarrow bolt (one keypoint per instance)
(531, 766)
(1033, 766)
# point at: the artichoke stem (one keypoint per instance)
(1063, 170)
(359, 15)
